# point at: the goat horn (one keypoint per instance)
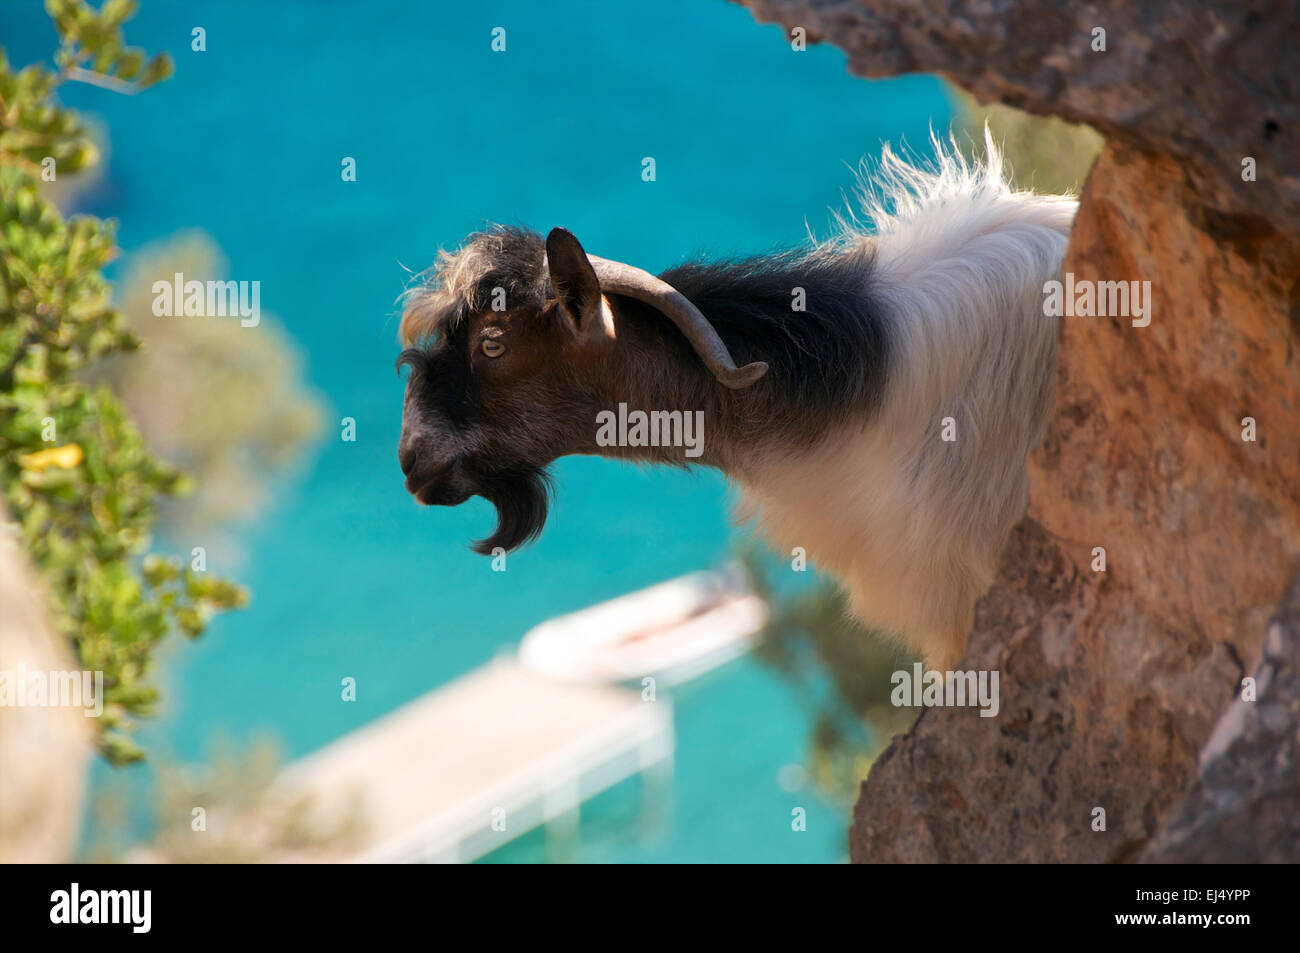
(624, 279)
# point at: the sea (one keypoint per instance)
(754, 144)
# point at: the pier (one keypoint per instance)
(471, 765)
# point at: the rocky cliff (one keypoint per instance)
(1112, 680)
(44, 751)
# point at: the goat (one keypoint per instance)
(884, 428)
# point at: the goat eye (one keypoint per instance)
(492, 348)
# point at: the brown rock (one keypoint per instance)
(1206, 84)
(1244, 806)
(44, 752)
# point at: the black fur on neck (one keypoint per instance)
(830, 357)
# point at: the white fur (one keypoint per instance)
(912, 524)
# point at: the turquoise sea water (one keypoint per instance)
(349, 577)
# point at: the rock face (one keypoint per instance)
(1206, 83)
(1113, 680)
(44, 752)
(1244, 806)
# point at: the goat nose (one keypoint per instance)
(407, 457)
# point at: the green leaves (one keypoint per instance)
(74, 471)
(94, 38)
(34, 129)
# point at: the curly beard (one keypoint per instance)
(521, 498)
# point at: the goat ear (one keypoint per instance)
(573, 278)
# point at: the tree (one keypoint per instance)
(74, 470)
(840, 671)
(268, 415)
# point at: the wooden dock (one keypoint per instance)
(475, 763)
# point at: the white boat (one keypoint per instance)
(673, 632)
